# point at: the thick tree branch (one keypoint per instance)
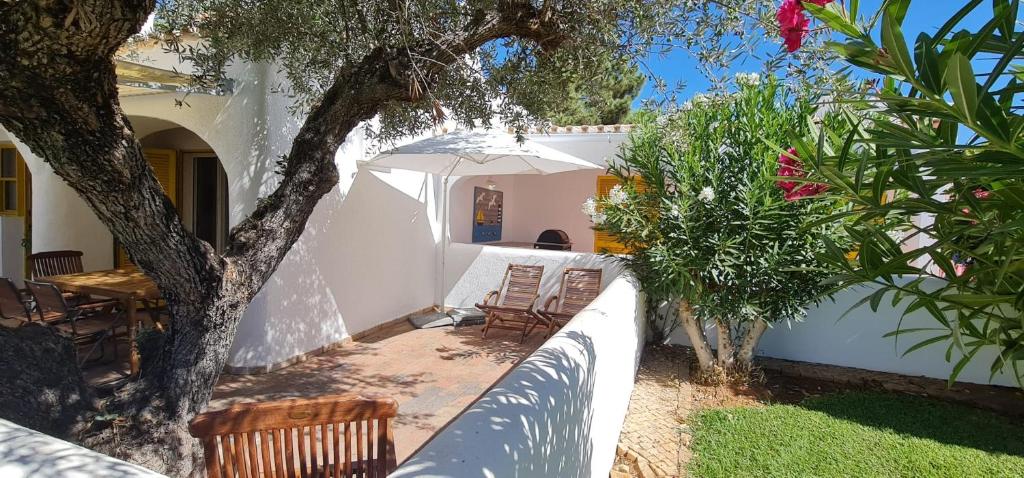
(60, 79)
(259, 243)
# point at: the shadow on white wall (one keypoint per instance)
(364, 258)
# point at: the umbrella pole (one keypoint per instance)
(444, 243)
(444, 235)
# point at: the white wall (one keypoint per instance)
(857, 341)
(175, 138)
(26, 453)
(554, 202)
(61, 220)
(559, 412)
(474, 269)
(366, 257)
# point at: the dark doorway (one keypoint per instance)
(210, 203)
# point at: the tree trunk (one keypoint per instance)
(59, 96)
(726, 351)
(745, 354)
(695, 331)
(50, 396)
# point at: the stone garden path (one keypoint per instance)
(653, 442)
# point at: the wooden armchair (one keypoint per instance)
(579, 288)
(300, 438)
(85, 324)
(512, 308)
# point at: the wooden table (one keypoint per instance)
(126, 285)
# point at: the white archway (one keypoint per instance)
(61, 220)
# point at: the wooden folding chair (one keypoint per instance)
(332, 436)
(579, 288)
(59, 263)
(513, 301)
(85, 324)
(55, 263)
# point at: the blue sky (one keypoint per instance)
(923, 15)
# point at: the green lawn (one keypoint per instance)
(856, 435)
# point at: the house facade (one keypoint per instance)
(369, 254)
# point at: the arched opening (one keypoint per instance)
(192, 176)
(40, 213)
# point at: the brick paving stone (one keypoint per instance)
(434, 374)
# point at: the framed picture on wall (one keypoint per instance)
(488, 208)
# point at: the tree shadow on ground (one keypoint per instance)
(501, 347)
(534, 422)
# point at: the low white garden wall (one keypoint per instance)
(26, 453)
(857, 340)
(557, 414)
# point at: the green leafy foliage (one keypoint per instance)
(937, 162)
(512, 81)
(604, 99)
(703, 216)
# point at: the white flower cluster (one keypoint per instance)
(707, 194)
(697, 99)
(590, 209)
(725, 148)
(589, 206)
(748, 79)
(617, 195)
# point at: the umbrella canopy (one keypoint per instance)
(475, 154)
(479, 154)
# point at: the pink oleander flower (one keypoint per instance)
(981, 193)
(807, 190)
(793, 22)
(790, 167)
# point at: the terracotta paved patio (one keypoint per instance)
(433, 373)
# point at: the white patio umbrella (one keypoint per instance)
(470, 153)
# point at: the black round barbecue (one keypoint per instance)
(554, 240)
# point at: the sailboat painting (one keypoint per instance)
(487, 214)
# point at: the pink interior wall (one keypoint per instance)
(553, 202)
(533, 203)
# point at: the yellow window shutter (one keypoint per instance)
(165, 167)
(13, 182)
(603, 241)
(23, 185)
